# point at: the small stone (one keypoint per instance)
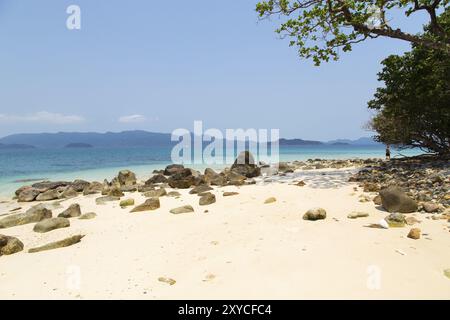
(355, 215)
(200, 189)
(315, 214)
(414, 233)
(207, 199)
(183, 209)
(88, 216)
(127, 202)
(270, 200)
(300, 183)
(377, 200)
(411, 221)
(169, 281)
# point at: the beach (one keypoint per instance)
(239, 247)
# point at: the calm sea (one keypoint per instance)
(100, 163)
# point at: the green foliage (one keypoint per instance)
(413, 107)
(320, 28)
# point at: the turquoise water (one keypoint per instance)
(101, 163)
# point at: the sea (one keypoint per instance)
(23, 166)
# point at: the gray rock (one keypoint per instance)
(431, 207)
(87, 216)
(173, 169)
(58, 244)
(69, 193)
(48, 195)
(183, 209)
(148, 205)
(182, 180)
(393, 199)
(79, 185)
(126, 178)
(157, 178)
(93, 188)
(155, 193)
(47, 225)
(200, 189)
(173, 194)
(72, 211)
(207, 199)
(315, 214)
(32, 215)
(28, 194)
(48, 185)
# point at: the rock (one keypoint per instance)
(371, 187)
(87, 216)
(47, 225)
(32, 215)
(72, 211)
(157, 178)
(69, 193)
(235, 179)
(115, 192)
(315, 214)
(79, 185)
(173, 169)
(414, 233)
(10, 245)
(48, 185)
(48, 195)
(431, 207)
(355, 215)
(169, 281)
(149, 204)
(103, 200)
(182, 180)
(207, 199)
(21, 189)
(155, 193)
(411, 221)
(228, 194)
(245, 165)
(270, 200)
(200, 189)
(393, 199)
(173, 194)
(396, 220)
(132, 188)
(127, 203)
(58, 244)
(377, 200)
(183, 209)
(126, 178)
(93, 188)
(28, 195)
(447, 273)
(300, 183)
(145, 188)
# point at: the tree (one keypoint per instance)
(413, 107)
(319, 28)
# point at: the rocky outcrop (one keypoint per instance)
(79, 185)
(69, 193)
(393, 199)
(32, 215)
(47, 225)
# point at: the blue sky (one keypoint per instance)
(160, 65)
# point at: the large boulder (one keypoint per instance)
(48, 195)
(315, 214)
(393, 199)
(182, 180)
(93, 188)
(28, 194)
(72, 211)
(79, 185)
(148, 205)
(173, 169)
(126, 178)
(69, 193)
(47, 225)
(32, 215)
(245, 165)
(10, 245)
(49, 185)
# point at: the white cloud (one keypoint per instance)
(41, 117)
(134, 118)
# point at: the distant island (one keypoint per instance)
(78, 145)
(136, 138)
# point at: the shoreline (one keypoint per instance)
(240, 247)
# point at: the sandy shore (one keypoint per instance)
(240, 249)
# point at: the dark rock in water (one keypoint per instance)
(72, 211)
(201, 188)
(28, 194)
(93, 188)
(155, 193)
(395, 220)
(315, 214)
(79, 185)
(207, 199)
(182, 180)
(245, 165)
(183, 209)
(32, 215)
(393, 199)
(158, 178)
(173, 169)
(148, 205)
(104, 199)
(48, 185)
(47, 225)
(10, 245)
(48, 195)
(58, 244)
(126, 178)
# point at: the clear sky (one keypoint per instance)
(160, 65)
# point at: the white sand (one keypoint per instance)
(241, 249)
